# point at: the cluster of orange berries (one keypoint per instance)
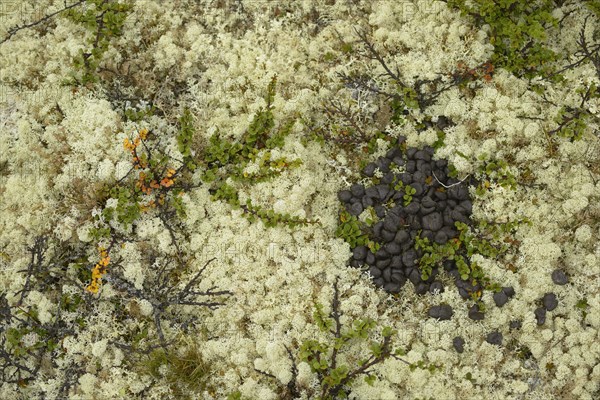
(167, 181)
(99, 271)
(146, 188)
(132, 146)
(143, 183)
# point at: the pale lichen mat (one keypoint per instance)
(252, 199)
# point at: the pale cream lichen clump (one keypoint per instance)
(215, 60)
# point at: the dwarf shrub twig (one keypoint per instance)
(14, 30)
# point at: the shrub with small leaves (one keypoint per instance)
(271, 218)
(225, 162)
(105, 19)
(408, 194)
(150, 184)
(98, 271)
(153, 185)
(491, 241)
(184, 139)
(518, 32)
(336, 379)
(573, 121)
(491, 170)
(32, 334)
(434, 254)
(354, 232)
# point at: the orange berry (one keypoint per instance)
(92, 288)
(166, 182)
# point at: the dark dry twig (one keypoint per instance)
(12, 31)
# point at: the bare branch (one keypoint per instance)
(14, 30)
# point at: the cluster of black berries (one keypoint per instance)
(549, 301)
(422, 198)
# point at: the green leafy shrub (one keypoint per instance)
(223, 159)
(492, 241)
(518, 32)
(434, 254)
(573, 121)
(336, 379)
(408, 193)
(354, 232)
(185, 137)
(105, 19)
(492, 170)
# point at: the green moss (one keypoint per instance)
(237, 395)
(583, 306)
(187, 374)
(593, 6)
(524, 353)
